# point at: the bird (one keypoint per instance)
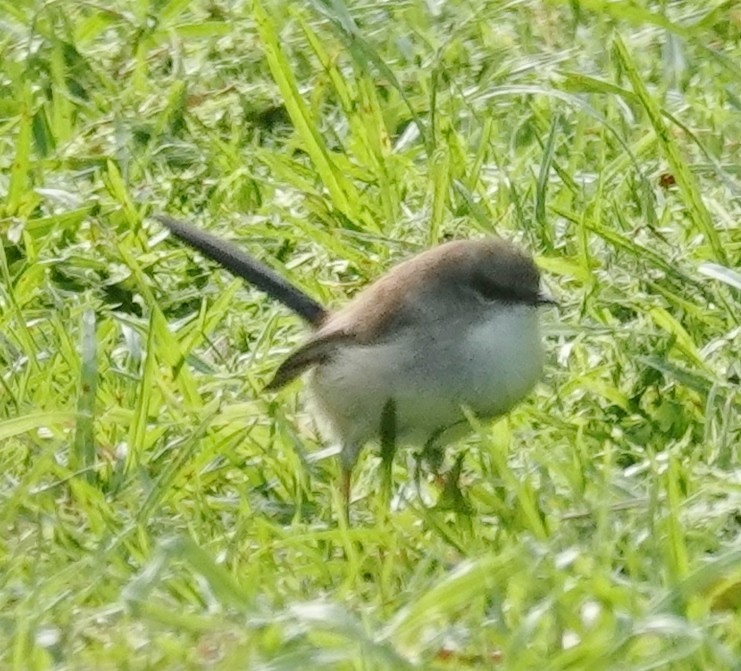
(451, 332)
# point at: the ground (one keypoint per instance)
(161, 511)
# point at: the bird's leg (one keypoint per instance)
(433, 453)
(346, 486)
(452, 498)
(388, 448)
(348, 459)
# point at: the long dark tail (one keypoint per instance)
(244, 266)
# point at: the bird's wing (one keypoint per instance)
(317, 350)
(389, 305)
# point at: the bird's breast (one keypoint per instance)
(500, 360)
(431, 373)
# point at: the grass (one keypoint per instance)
(159, 511)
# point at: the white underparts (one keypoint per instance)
(487, 367)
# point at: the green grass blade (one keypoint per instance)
(722, 273)
(21, 167)
(682, 174)
(340, 189)
(543, 175)
(33, 422)
(84, 446)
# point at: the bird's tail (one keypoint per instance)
(244, 266)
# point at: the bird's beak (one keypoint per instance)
(545, 299)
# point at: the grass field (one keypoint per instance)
(159, 511)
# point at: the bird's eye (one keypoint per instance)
(489, 291)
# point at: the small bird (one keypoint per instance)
(454, 329)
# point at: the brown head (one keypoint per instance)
(439, 283)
